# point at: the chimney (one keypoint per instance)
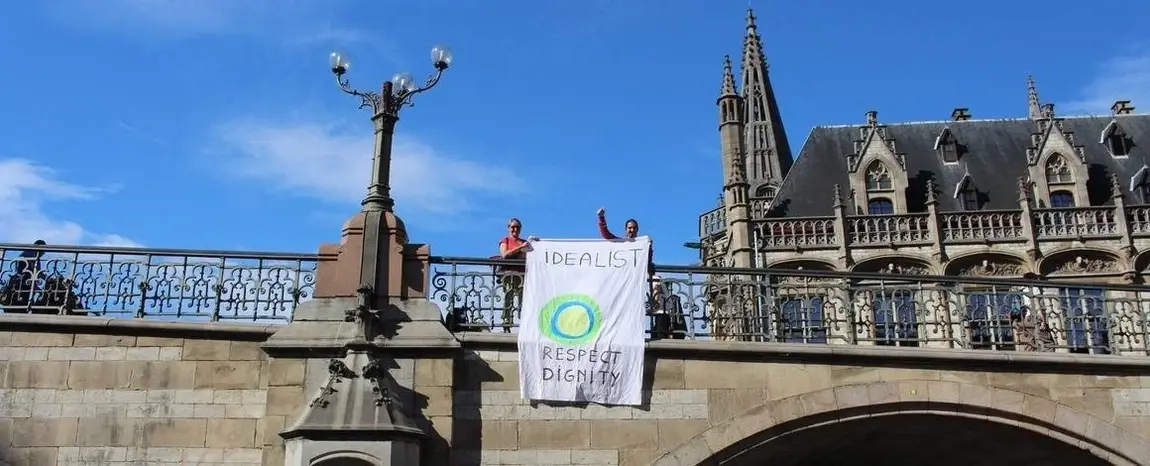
(960, 114)
(1122, 107)
(872, 118)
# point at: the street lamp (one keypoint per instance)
(385, 107)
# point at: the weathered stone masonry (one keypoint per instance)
(87, 391)
(134, 392)
(706, 396)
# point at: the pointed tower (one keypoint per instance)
(1034, 106)
(736, 189)
(768, 154)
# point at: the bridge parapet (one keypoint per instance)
(901, 307)
(154, 283)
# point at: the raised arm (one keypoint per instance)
(603, 230)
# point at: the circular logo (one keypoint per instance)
(570, 319)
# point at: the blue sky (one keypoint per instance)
(216, 124)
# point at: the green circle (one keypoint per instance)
(570, 319)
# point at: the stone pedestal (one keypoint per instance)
(369, 337)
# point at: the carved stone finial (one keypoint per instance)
(931, 194)
(1023, 189)
(1115, 187)
(872, 118)
(837, 195)
(1048, 111)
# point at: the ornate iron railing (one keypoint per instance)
(809, 306)
(156, 283)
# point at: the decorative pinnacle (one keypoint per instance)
(1034, 106)
(752, 44)
(1115, 187)
(728, 88)
(837, 195)
(1023, 189)
(931, 194)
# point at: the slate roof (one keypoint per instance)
(994, 155)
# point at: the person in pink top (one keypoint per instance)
(513, 247)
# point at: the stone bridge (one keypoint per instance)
(99, 391)
(372, 353)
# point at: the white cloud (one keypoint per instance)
(333, 163)
(1121, 78)
(24, 187)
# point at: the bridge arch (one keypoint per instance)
(739, 440)
(344, 458)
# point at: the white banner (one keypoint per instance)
(581, 328)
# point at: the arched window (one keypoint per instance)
(1057, 171)
(765, 191)
(878, 177)
(1061, 199)
(880, 206)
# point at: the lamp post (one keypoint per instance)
(380, 234)
(385, 106)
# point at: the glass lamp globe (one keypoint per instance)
(403, 81)
(441, 56)
(339, 62)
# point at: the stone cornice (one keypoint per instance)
(143, 327)
(870, 356)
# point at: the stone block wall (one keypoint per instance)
(697, 405)
(122, 392)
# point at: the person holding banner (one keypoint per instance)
(632, 231)
(512, 247)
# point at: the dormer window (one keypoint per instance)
(1140, 184)
(967, 194)
(947, 146)
(1116, 140)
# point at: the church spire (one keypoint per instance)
(1034, 106)
(768, 152)
(728, 88)
(736, 193)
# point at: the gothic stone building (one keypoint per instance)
(1046, 196)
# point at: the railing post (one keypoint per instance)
(841, 228)
(1027, 220)
(933, 224)
(1122, 223)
